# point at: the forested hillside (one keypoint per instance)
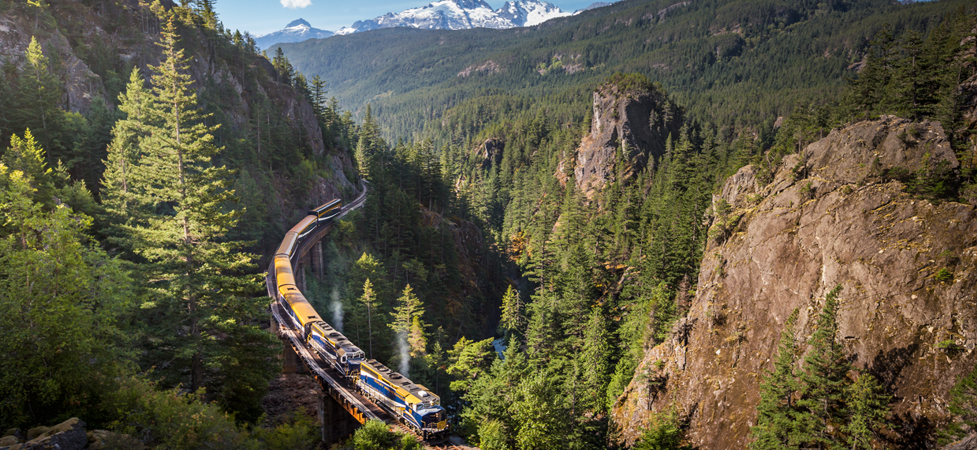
(731, 63)
(155, 159)
(581, 190)
(150, 156)
(598, 187)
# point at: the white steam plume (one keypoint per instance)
(338, 310)
(403, 353)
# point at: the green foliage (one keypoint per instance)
(493, 435)
(375, 435)
(168, 418)
(818, 406)
(298, 432)
(776, 423)
(962, 408)
(867, 403)
(665, 432)
(415, 76)
(630, 82)
(943, 275)
(176, 205)
(468, 361)
(61, 306)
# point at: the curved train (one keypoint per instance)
(410, 403)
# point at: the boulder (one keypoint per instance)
(68, 435)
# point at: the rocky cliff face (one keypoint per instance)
(628, 125)
(907, 266)
(76, 36)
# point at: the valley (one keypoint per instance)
(649, 224)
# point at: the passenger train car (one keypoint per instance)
(410, 403)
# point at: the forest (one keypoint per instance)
(135, 231)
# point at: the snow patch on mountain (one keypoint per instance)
(463, 14)
(296, 31)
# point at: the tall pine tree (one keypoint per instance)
(197, 291)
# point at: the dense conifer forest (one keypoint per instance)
(134, 231)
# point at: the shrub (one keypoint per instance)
(171, 419)
(298, 432)
(943, 275)
(664, 433)
(374, 435)
(963, 408)
(493, 435)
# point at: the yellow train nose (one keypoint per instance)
(441, 425)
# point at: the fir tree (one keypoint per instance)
(40, 97)
(123, 154)
(777, 413)
(369, 301)
(823, 381)
(198, 294)
(409, 307)
(511, 316)
(594, 359)
(867, 406)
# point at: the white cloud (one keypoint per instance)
(293, 4)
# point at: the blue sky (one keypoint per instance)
(265, 16)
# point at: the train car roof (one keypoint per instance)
(291, 293)
(303, 224)
(337, 339)
(326, 206)
(288, 243)
(284, 278)
(408, 390)
(303, 310)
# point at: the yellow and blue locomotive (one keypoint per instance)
(410, 403)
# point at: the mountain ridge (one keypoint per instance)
(298, 30)
(463, 14)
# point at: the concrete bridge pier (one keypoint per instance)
(336, 424)
(291, 362)
(316, 260)
(299, 275)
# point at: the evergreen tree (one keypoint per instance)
(26, 156)
(409, 308)
(823, 381)
(123, 155)
(40, 98)
(776, 423)
(867, 406)
(368, 300)
(594, 359)
(198, 294)
(511, 316)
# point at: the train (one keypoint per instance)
(410, 403)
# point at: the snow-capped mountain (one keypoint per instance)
(463, 14)
(297, 31)
(527, 13)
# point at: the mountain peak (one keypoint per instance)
(298, 30)
(463, 14)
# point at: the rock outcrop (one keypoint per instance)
(629, 126)
(68, 435)
(907, 311)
